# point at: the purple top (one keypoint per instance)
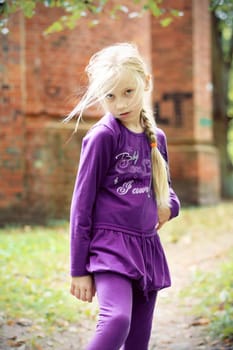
(113, 189)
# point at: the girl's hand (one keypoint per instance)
(163, 215)
(83, 288)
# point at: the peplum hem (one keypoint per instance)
(140, 257)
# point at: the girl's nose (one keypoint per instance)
(120, 104)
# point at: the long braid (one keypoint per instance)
(159, 171)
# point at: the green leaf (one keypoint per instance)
(166, 21)
(28, 8)
(54, 27)
(155, 9)
(175, 13)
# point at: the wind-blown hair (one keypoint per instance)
(103, 71)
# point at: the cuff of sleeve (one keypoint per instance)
(79, 273)
(78, 270)
(175, 208)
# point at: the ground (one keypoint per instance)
(175, 327)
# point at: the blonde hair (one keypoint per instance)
(103, 72)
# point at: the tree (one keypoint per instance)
(222, 56)
(75, 9)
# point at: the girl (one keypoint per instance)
(121, 198)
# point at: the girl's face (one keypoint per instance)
(125, 100)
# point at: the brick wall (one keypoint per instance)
(181, 56)
(12, 119)
(41, 76)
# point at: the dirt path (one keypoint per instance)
(173, 327)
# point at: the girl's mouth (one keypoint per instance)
(124, 114)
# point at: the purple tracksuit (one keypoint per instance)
(114, 213)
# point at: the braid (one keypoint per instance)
(148, 128)
(158, 164)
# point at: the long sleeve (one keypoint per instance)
(94, 163)
(174, 200)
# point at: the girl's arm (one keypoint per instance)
(94, 163)
(167, 214)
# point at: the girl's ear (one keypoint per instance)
(147, 83)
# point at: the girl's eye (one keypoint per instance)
(128, 92)
(109, 96)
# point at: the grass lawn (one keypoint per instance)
(215, 293)
(34, 271)
(34, 276)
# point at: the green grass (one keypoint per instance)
(34, 270)
(214, 298)
(211, 292)
(199, 222)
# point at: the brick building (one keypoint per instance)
(40, 75)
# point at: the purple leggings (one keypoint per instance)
(125, 316)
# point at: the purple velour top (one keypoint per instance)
(113, 210)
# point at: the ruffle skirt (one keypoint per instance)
(138, 256)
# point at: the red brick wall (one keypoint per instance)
(41, 75)
(181, 56)
(40, 79)
(55, 64)
(172, 56)
(12, 118)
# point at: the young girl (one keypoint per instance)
(121, 198)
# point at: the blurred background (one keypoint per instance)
(44, 48)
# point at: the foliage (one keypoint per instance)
(76, 9)
(215, 298)
(230, 138)
(223, 33)
(223, 10)
(35, 277)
